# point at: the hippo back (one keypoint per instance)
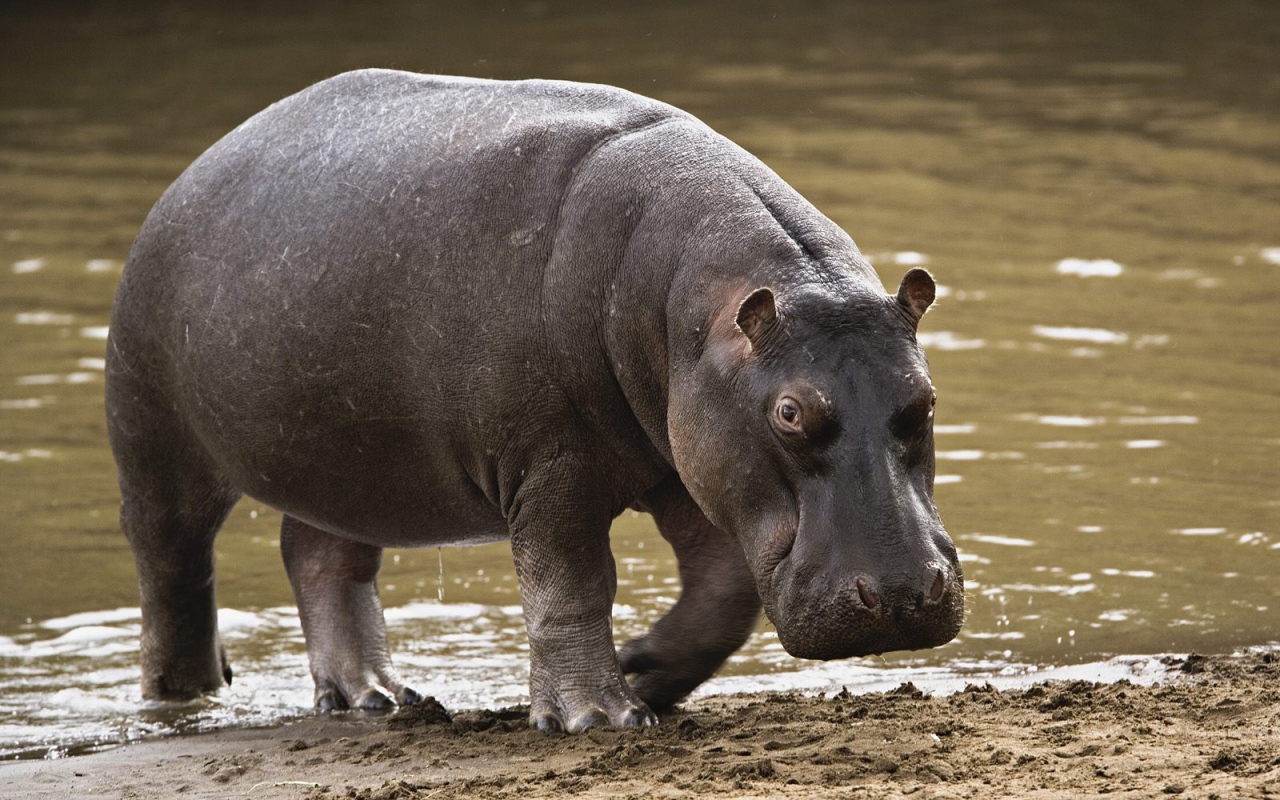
(354, 281)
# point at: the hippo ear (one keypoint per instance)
(757, 315)
(917, 292)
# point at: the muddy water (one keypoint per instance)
(1096, 186)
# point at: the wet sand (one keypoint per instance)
(1211, 730)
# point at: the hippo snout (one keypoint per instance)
(905, 596)
(830, 617)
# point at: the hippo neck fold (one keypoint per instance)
(706, 223)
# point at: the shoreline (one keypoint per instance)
(154, 721)
(1211, 728)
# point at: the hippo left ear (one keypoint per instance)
(757, 315)
(917, 292)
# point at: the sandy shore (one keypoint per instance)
(1212, 730)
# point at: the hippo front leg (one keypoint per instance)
(716, 612)
(335, 584)
(567, 584)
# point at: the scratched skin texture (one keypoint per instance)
(409, 310)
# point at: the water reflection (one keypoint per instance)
(1065, 420)
(1144, 444)
(1095, 335)
(946, 340)
(43, 318)
(1089, 268)
(1008, 541)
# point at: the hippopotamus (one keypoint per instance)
(418, 311)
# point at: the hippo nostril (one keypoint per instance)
(939, 585)
(865, 594)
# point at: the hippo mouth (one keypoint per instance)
(818, 616)
(825, 609)
(777, 547)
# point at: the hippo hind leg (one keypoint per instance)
(335, 584)
(172, 505)
(717, 610)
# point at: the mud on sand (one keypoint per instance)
(1211, 730)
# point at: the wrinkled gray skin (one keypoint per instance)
(418, 311)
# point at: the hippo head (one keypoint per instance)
(805, 429)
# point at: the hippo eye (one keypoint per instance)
(911, 422)
(789, 415)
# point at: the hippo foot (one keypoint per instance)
(662, 674)
(330, 697)
(186, 676)
(583, 713)
(226, 664)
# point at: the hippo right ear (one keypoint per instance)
(917, 292)
(757, 316)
